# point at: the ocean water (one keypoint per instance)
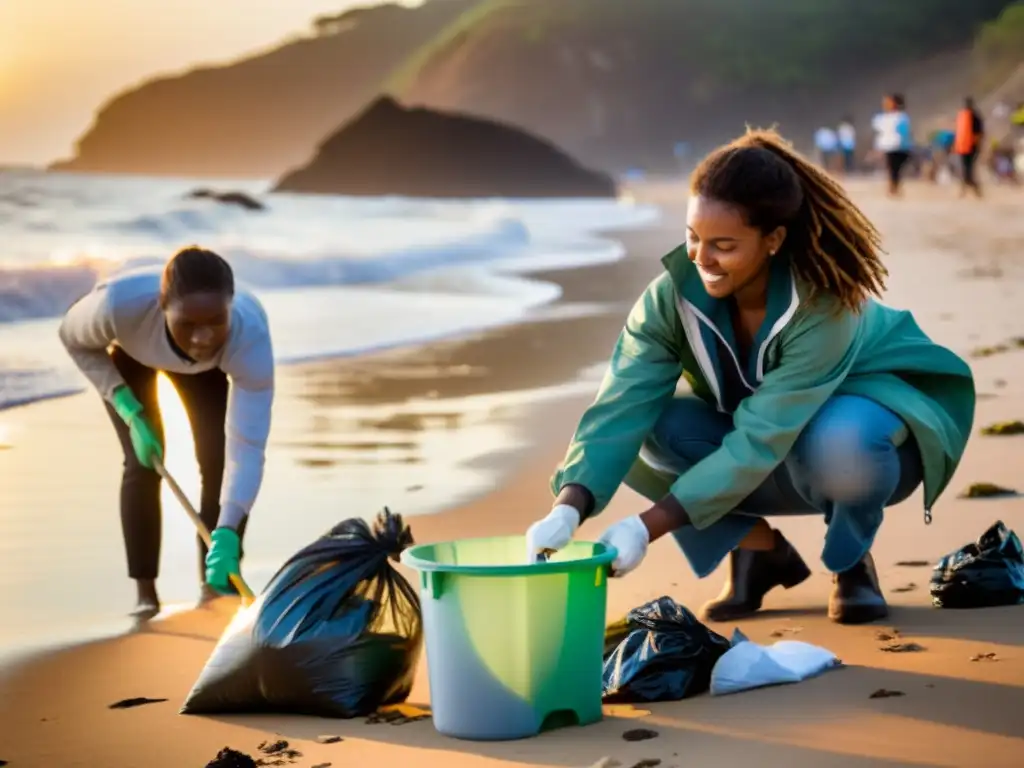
(338, 276)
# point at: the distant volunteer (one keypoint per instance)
(826, 141)
(847, 135)
(967, 141)
(894, 139)
(212, 341)
(806, 396)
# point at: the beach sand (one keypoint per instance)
(518, 391)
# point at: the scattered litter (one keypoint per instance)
(748, 665)
(659, 652)
(884, 635)
(272, 747)
(997, 349)
(786, 631)
(136, 702)
(885, 693)
(902, 648)
(231, 758)
(986, 491)
(606, 762)
(277, 753)
(398, 715)
(1004, 428)
(984, 657)
(413, 488)
(322, 765)
(989, 351)
(650, 762)
(913, 563)
(908, 587)
(639, 734)
(328, 739)
(981, 574)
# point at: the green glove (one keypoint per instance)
(222, 560)
(144, 438)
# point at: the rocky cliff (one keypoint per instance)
(263, 114)
(391, 150)
(617, 83)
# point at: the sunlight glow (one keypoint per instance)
(60, 60)
(179, 452)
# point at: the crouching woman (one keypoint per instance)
(808, 396)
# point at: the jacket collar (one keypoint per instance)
(783, 302)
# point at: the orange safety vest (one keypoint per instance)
(965, 141)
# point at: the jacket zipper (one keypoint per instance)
(700, 316)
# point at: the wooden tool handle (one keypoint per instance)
(197, 521)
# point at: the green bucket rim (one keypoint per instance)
(602, 557)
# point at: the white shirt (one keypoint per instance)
(847, 136)
(892, 131)
(825, 140)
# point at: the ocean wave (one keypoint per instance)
(338, 276)
(47, 290)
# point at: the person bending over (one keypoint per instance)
(808, 396)
(212, 341)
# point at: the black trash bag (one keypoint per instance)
(982, 574)
(667, 654)
(336, 633)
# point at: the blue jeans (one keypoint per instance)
(852, 460)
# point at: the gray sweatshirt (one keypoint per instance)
(125, 311)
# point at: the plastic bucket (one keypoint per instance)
(512, 649)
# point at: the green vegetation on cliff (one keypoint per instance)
(999, 49)
(625, 80)
(747, 43)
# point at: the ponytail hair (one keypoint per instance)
(832, 245)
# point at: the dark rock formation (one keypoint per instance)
(241, 199)
(391, 150)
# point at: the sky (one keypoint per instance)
(61, 59)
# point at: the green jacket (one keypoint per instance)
(805, 352)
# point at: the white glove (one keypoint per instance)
(630, 538)
(551, 533)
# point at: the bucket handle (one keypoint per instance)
(432, 582)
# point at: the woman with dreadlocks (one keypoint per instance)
(808, 396)
(212, 341)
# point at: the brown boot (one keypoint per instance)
(752, 574)
(856, 595)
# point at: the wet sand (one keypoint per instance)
(356, 433)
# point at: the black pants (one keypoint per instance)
(205, 397)
(895, 162)
(968, 163)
